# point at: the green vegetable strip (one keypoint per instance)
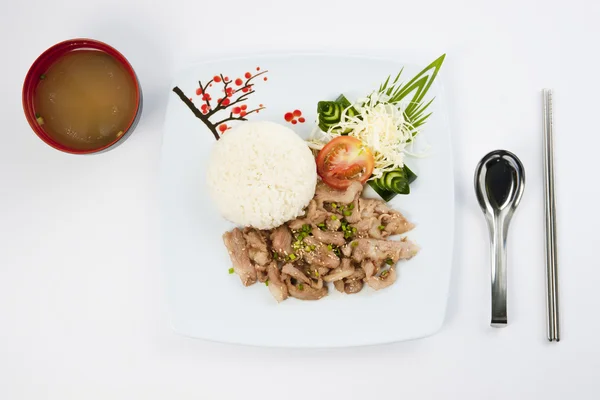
(393, 182)
(330, 112)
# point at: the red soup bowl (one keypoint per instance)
(41, 65)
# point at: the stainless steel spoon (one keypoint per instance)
(499, 184)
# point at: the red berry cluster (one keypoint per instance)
(241, 110)
(205, 108)
(294, 117)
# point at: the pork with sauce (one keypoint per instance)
(341, 239)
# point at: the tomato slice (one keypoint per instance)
(343, 160)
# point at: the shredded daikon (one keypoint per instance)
(381, 126)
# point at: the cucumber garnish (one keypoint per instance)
(330, 112)
(393, 182)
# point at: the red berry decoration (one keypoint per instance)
(297, 113)
(230, 101)
(294, 122)
(288, 117)
(301, 120)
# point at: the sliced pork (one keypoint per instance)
(353, 286)
(325, 194)
(333, 238)
(277, 286)
(305, 292)
(343, 271)
(281, 240)
(383, 280)
(238, 252)
(380, 251)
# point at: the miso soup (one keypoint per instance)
(85, 100)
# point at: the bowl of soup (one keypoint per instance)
(82, 96)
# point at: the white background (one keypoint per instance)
(82, 305)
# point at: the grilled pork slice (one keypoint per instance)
(238, 252)
(277, 286)
(380, 251)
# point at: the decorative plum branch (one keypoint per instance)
(231, 100)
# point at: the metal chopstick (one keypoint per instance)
(550, 225)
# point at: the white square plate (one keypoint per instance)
(206, 302)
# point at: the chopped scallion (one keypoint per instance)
(300, 286)
(230, 271)
(381, 227)
(389, 261)
(354, 243)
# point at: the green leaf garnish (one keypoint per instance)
(419, 85)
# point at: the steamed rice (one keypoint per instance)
(261, 174)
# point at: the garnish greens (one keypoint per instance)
(386, 121)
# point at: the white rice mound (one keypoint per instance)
(261, 174)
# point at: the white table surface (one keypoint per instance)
(83, 313)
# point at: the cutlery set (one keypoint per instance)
(499, 185)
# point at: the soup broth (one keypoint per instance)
(85, 100)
